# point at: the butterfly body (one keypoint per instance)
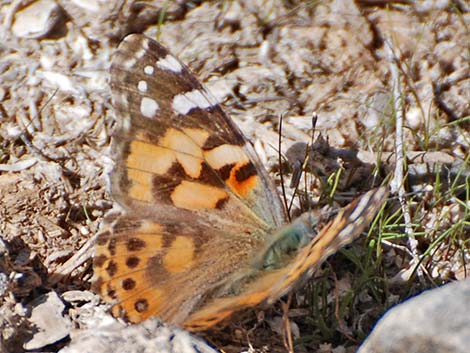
(202, 233)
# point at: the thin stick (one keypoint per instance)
(279, 146)
(397, 185)
(288, 342)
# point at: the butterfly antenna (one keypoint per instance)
(299, 168)
(314, 125)
(281, 173)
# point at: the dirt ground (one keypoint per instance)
(263, 60)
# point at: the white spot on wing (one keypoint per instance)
(142, 86)
(170, 63)
(145, 44)
(149, 107)
(122, 98)
(126, 122)
(140, 53)
(125, 119)
(183, 103)
(130, 63)
(149, 70)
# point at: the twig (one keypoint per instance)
(288, 342)
(397, 184)
(81, 256)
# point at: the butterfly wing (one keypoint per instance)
(268, 286)
(196, 200)
(161, 269)
(178, 150)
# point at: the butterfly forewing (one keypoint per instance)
(176, 147)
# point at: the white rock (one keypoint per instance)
(434, 321)
(47, 317)
(37, 20)
(109, 335)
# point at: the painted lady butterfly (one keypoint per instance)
(203, 232)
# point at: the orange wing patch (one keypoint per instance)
(140, 185)
(169, 130)
(243, 179)
(157, 158)
(235, 168)
(180, 256)
(194, 196)
(229, 165)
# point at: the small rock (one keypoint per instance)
(277, 324)
(84, 230)
(37, 20)
(434, 321)
(78, 296)
(47, 317)
(110, 335)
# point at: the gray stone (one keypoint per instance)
(49, 321)
(436, 321)
(109, 335)
(37, 20)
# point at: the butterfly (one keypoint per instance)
(202, 232)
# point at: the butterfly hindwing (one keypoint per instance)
(168, 270)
